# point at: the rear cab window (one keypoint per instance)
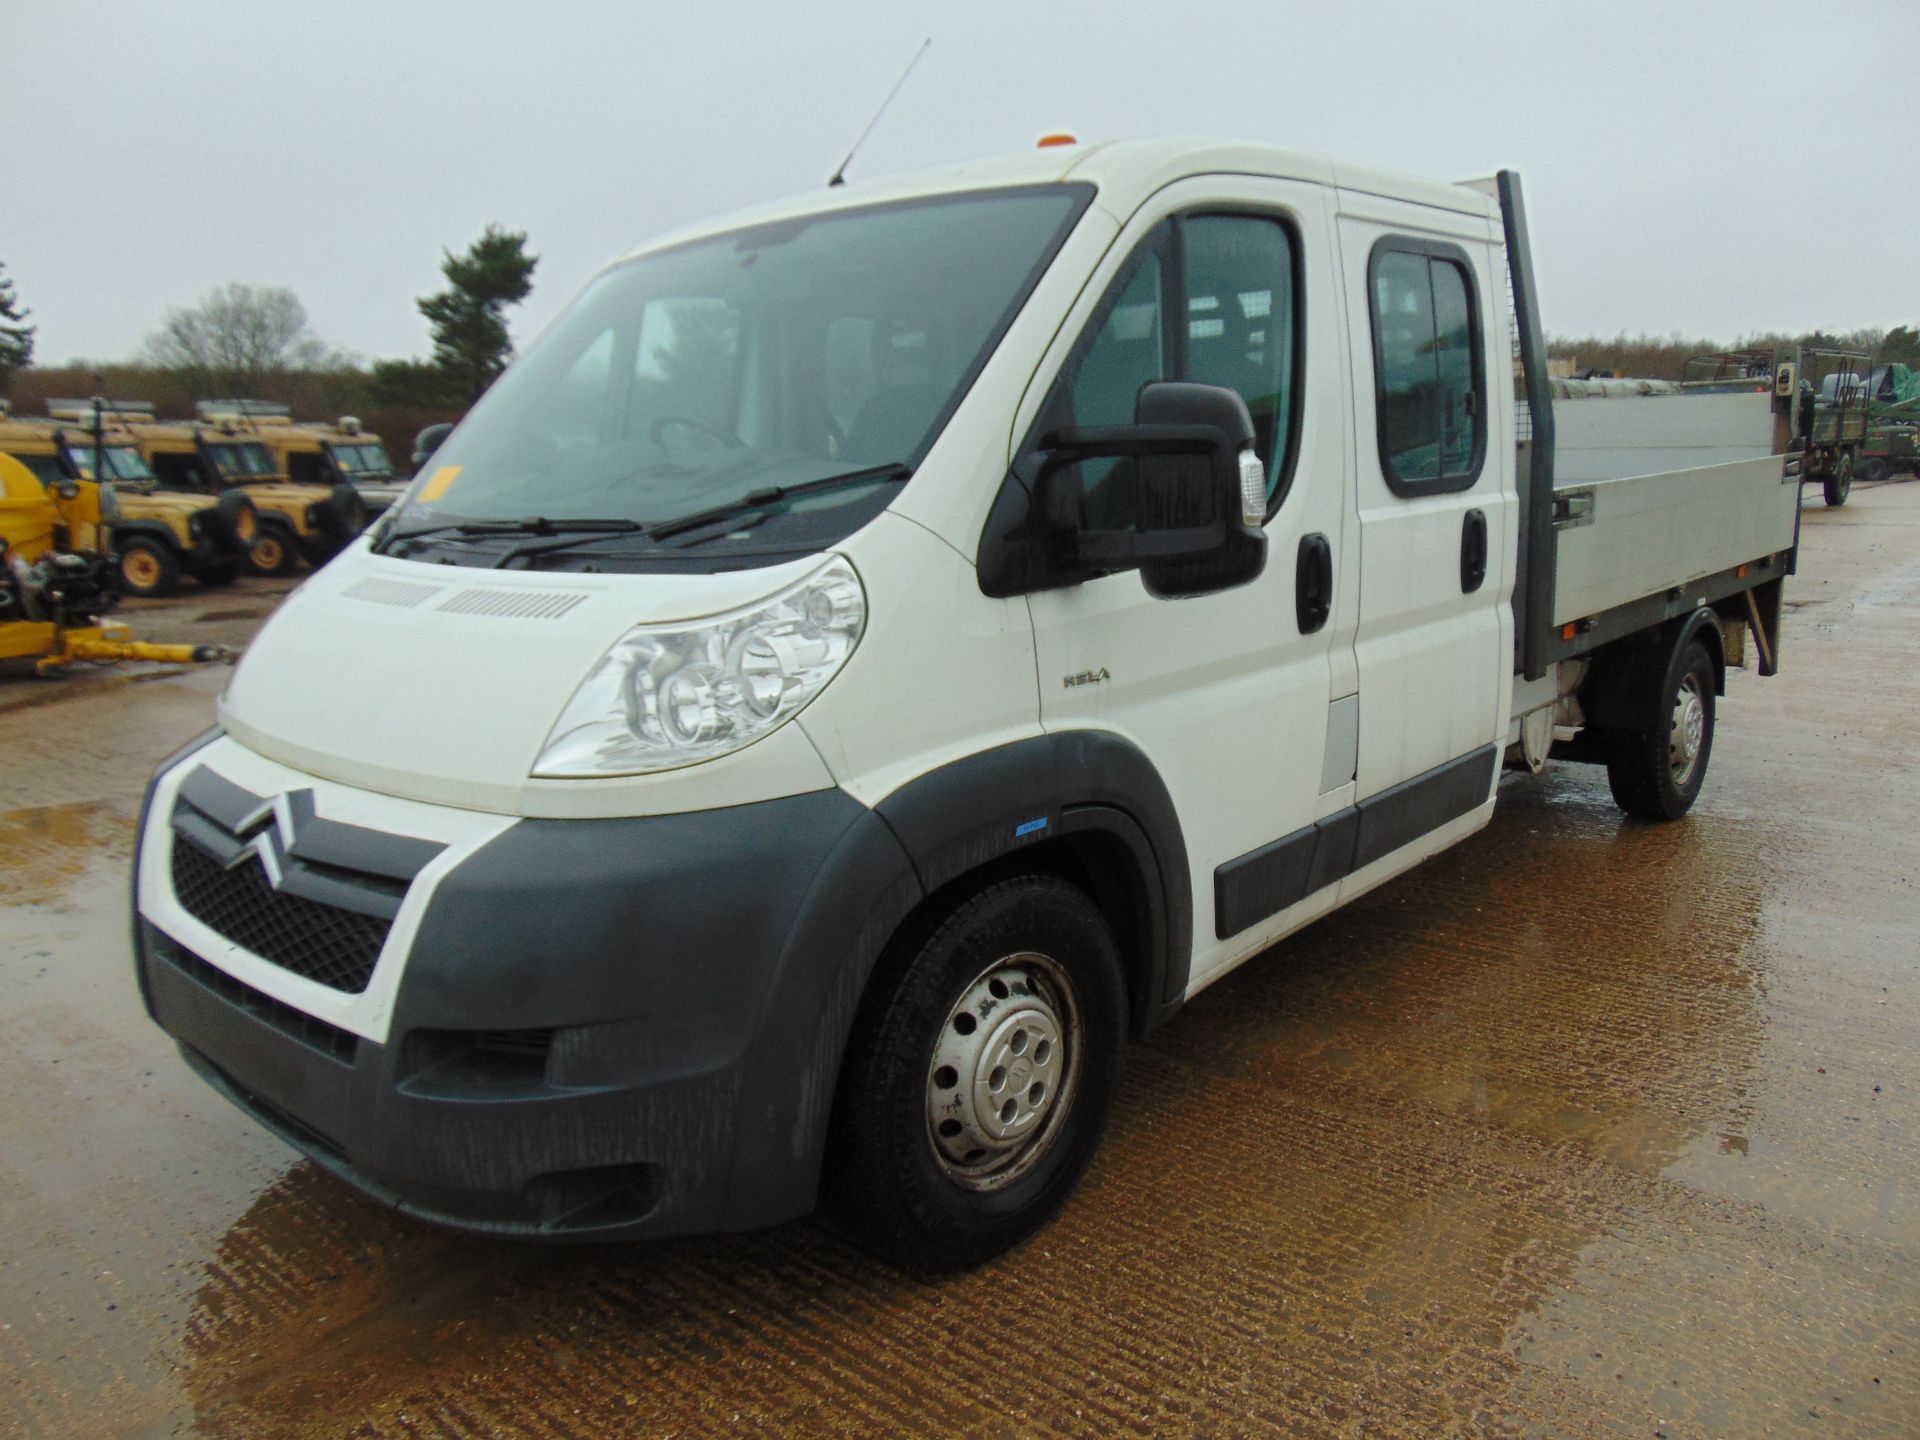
(1430, 387)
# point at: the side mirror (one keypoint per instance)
(428, 441)
(1191, 487)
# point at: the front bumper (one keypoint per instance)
(588, 1029)
(378, 495)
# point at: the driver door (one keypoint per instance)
(1220, 281)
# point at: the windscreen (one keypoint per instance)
(363, 459)
(767, 357)
(124, 462)
(241, 460)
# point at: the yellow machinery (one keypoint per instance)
(56, 585)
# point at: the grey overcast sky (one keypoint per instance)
(1703, 167)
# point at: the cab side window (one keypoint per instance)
(1240, 323)
(1429, 389)
(1209, 298)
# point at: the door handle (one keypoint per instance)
(1473, 551)
(1313, 583)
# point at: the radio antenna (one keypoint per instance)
(840, 175)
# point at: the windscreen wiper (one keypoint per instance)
(763, 499)
(531, 525)
(571, 533)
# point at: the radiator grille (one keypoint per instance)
(323, 943)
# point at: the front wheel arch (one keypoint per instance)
(1099, 794)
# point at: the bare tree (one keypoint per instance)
(236, 338)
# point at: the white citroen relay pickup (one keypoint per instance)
(873, 655)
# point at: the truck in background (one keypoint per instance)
(1893, 422)
(1826, 426)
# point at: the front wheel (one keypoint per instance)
(1656, 774)
(1840, 479)
(1873, 468)
(980, 1075)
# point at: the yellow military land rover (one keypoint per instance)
(319, 454)
(154, 535)
(220, 454)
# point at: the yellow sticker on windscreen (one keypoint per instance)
(441, 482)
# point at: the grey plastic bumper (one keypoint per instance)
(608, 1029)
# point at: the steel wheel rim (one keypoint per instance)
(1687, 733)
(266, 553)
(140, 569)
(1004, 1071)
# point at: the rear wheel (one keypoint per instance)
(146, 568)
(275, 551)
(1873, 468)
(1840, 479)
(1656, 774)
(977, 1085)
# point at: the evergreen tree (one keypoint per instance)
(16, 338)
(470, 341)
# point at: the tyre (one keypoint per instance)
(218, 574)
(146, 568)
(275, 551)
(1655, 774)
(1840, 479)
(237, 517)
(981, 1070)
(1873, 469)
(349, 511)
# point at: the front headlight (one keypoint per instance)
(671, 695)
(316, 513)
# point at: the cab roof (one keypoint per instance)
(1125, 172)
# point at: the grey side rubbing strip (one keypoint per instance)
(1263, 882)
(1403, 813)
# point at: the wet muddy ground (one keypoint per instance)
(1585, 1127)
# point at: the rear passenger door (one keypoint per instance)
(1226, 281)
(1435, 512)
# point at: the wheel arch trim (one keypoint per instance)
(1071, 792)
(143, 528)
(1624, 689)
